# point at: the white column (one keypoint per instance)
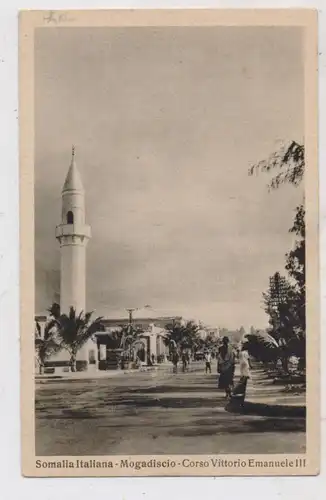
(73, 277)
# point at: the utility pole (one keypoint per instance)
(130, 312)
(130, 321)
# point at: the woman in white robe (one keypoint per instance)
(244, 363)
(239, 391)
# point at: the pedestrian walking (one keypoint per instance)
(244, 364)
(188, 360)
(226, 367)
(175, 360)
(184, 361)
(208, 361)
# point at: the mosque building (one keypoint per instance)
(73, 234)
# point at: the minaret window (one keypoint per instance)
(70, 217)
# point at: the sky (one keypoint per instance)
(166, 122)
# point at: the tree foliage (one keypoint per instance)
(289, 159)
(73, 331)
(124, 337)
(210, 342)
(285, 306)
(54, 310)
(261, 346)
(282, 305)
(45, 346)
(295, 259)
(181, 336)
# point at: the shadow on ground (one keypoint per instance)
(172, 389)
(264, 410)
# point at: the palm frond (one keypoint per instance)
(72, 313)
(50, 328)
(74, 330)
(54, 310)
(262, 338)
(88, 317)
(45, 348)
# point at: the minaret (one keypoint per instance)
(73, 235)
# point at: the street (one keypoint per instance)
(153, 413)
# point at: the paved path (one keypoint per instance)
(153, 413)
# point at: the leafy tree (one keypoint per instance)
(289, 159)
(288, 320)
(73, 332)
(276, 304)
(281, 305)
(295, 259)
(295, 265)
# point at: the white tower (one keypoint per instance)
(73, 235)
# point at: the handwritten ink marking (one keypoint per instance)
(56, 17)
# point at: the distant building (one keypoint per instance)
(153, 332)
(152, 337)
(213, 332)
(142, 322)
(206, 331)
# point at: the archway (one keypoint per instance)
(139, 349)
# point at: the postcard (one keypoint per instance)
(169, 243)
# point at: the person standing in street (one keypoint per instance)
(244, 364)
(175, 360)
(226, 367)
(208, 361)
(184, 361)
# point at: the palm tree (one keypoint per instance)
(47, 346)
(73, 331)
(179, 336)
(54, 310)
(124, 338)
(262, 346)
(128, 334)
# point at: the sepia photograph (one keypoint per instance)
(173, 196)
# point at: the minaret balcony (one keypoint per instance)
(73, 230)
